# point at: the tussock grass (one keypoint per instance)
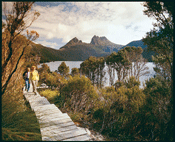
(19, 122)
(51, 95)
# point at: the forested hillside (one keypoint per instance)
(146, 54)
(76, 50)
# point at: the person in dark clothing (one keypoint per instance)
(27, 80)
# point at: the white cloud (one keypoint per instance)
(86, 19)
(48, 44)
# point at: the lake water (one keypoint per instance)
(76, 64)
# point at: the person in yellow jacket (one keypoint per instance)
(34, 77)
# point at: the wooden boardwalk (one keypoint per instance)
(54, 125)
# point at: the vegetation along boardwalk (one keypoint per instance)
(54, 125)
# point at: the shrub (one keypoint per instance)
(78, 94)
(48, 93)
(119, 107)
(75, 71)
(158, 109)
(51, 95)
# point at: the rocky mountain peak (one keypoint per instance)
(96, 40)
(74, 41)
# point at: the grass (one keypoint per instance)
(51, 95)
(18, 121)
(24, 127)
(20, 126)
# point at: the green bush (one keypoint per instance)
(77, 95)
(118, 109)
(49, 94)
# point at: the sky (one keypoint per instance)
(119, 22)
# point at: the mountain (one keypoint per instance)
(139, 43)
(76, 50)
(105, 44)
(136, 43)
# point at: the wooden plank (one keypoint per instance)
(56, 135)
(61, 116)
(41, 101)
(29, 96)
(32, 97)
(46, 112)
(47, 139)
(46, 124)
(55, 115)
(39, 104)
(58, 120)
(60, 129)
(45, 107)
(38, 99)
(79, 138)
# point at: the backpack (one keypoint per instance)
(25, 75)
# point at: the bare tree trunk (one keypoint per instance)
(16, 66)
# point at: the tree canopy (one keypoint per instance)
(63, 69)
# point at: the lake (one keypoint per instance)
(76, 64)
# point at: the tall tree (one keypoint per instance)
(17, 20)
(120, 63)
(160, 40)
(75, 71)
(138, 67)
(63, 69)
(93, 69)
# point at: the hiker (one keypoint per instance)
(34, 76)
(26, 76)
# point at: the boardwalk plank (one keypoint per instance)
(45, 107)
(39, 103)
(46, 124)
(31, 96)
(61, 129)
(55, 120)
(54, 125)
(47, 112)
(79, 138)
(54, 116)
(56, 135)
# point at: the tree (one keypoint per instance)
(75, 71)
(127, 62)
(120, 63)
(160, 40)
(44, 68)
(100, 71)
(17, 20)
(138, 67)
(88, 67)
(63, 69)
(93, 69)
(157, 102)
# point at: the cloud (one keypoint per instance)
(115, 20)
(48, 44)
